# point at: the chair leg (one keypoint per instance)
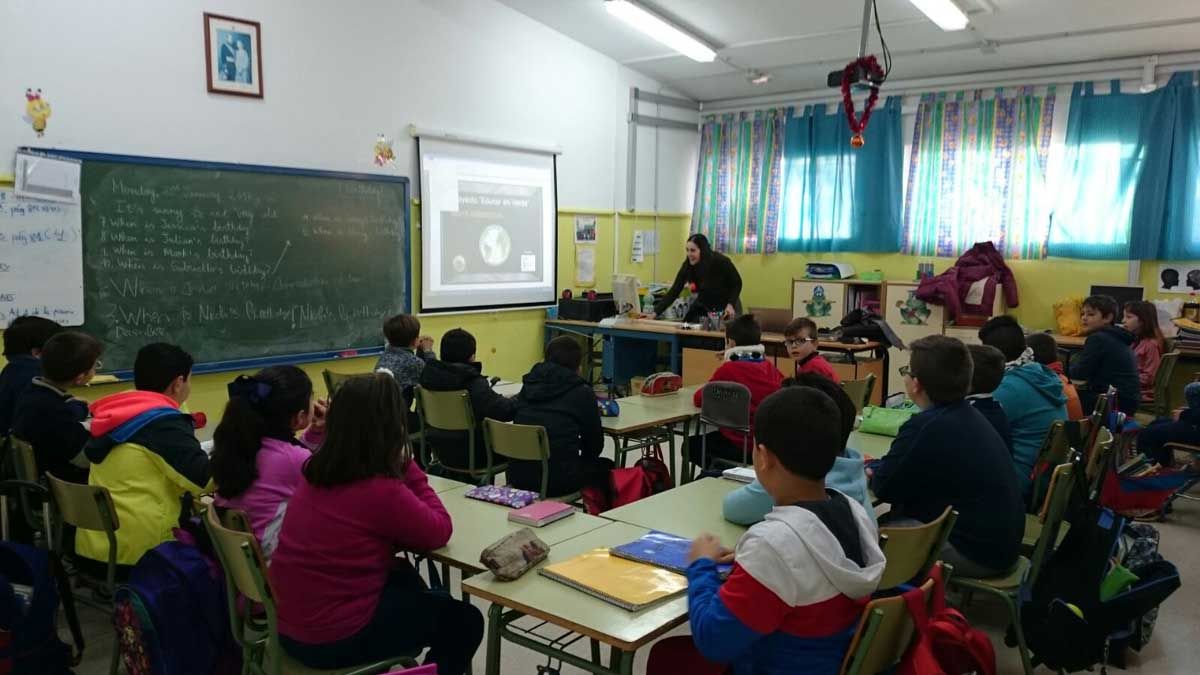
(114, 664)
(1014, 612)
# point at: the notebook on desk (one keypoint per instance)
(662, 550)
(629, 585)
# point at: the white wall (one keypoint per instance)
(128, 77)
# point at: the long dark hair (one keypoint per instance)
(365, 436)
(259, 407)
(697, 271)
(1147, 315)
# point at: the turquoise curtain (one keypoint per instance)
(1112, 198)
(978, 172)
(739, 181)
(836, 197)
(1180, 234)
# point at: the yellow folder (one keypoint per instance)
(624, 583)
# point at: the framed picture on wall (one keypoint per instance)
(233, 56)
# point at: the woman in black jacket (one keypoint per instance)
(713, 278)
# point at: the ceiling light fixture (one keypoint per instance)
(661, 30)
(758, 77)
(947, 15)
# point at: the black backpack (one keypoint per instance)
(30, 583)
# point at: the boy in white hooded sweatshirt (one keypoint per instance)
(801, 577)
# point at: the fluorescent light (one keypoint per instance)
(758, 77)
(944, 13)
(660, 29)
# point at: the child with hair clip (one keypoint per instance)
(343, 595)
(256, 459)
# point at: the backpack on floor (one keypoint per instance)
(1138, 550)
(945, 643)
(30, 579)
(648, 476)
(171, 616)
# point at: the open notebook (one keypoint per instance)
(624, 583)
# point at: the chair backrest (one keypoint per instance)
(1055, 449)
(912, 551)
(517, 441)
(883, 635)
(1062, 484)
(334, 380)
(242, 559)
(1161, 406)
(445, 410)
(860, 391)
(23, 462)
(726, 405)
(86, 507)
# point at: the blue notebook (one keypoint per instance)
(662, 550)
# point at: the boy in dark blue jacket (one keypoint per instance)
(949, 455)
(23, 342)
(1107, 357)
(987, 371)
(49, 418)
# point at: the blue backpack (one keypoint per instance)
(29, 601)
(171, 615)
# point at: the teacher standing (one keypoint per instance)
(715, 282)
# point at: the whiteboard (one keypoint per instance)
(41, 260)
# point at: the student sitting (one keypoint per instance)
(948, 455)
(801, 577)
(23, 342)
(987, 368)
(1030, 394)
(554, 396)
(257, 462)
(800, 338)
(744, 364)
(458, 370)
(1141, 319)
(49, 418)
(343, 596)
(1107, 358)
(407, 350)
(751, 503)
(1045, 352)
(144, 451)
(1183, 426)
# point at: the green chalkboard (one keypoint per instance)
(239, 263)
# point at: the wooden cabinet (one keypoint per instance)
(862, 366)
(699, 365)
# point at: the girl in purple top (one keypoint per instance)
(256, 459)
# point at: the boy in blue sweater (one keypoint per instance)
(1030, 393)
(949, 455)
(1107, 358)
(23, 342)
(801, 577)
(751, 503)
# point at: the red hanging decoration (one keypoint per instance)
(874, 73)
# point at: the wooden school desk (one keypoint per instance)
(685, 511)
(441, 485)
(631, 348)
(577, 612)
(871, 445)
(478, 524)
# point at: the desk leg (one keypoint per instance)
(596, 658)
(620, 662)
(671, 446)
(493, 639)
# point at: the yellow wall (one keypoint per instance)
(672, 231)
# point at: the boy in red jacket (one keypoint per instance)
(744, 364)
(800, 338)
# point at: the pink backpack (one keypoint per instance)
(945, 642)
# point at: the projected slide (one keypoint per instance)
(495, 236)
(488, 220)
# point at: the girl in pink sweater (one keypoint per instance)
(1141, 319)
(256, 459)
(342, 594)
